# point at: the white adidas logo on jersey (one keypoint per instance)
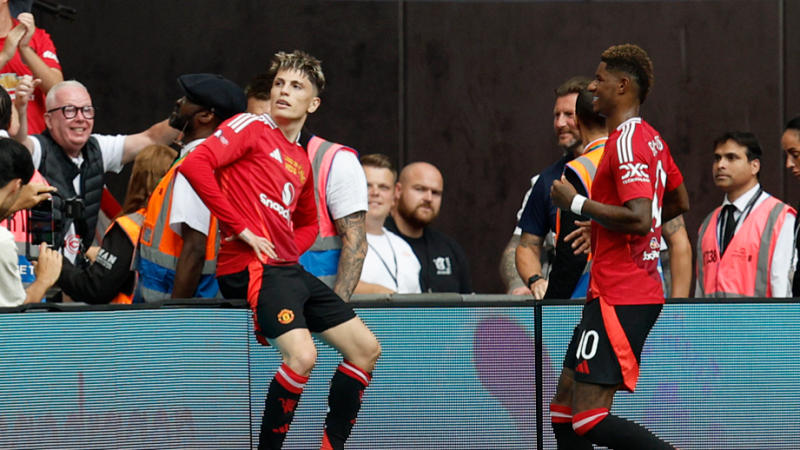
(277, 155)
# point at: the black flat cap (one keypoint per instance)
(214, 91)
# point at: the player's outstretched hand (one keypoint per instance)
(562, 193)
(261, 245)
(581, 237)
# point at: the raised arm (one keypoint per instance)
(159, 133)
(50, 76)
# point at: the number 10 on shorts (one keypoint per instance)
(587, 346)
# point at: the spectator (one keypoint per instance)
(16, 169)
(110, 279)
(390, 265)
(257, 93)
(28, 50)
(418, 199)
(744, 247)
(17, 223)
(570, 266)
(178, 243)
(73, 160)
(539, 214)
(790, 142)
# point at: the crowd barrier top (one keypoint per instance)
(432, 300)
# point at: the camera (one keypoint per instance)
(41, 228)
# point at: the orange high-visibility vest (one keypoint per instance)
(131, 224)
(160, 247)
(585, 166)
(744, 269)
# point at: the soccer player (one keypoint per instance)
(637, 187)
(255, 177)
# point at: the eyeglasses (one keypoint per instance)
(70, 111)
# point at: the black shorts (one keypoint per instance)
(286, 297)
(606, 346)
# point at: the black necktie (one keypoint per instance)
(730, 227)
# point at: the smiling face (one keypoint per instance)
(604, 89)
(380, 189)
(70, 134)
(564, 121)
(293, 96)
(790, 143)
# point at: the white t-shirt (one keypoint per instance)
(346, 191)
(11, 291)
(187, 207)
(391, 263)
(112, 149)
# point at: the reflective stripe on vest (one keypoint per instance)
(131, 224)
(159, 246)
(322, 259)
(744, 269)
(585, 167)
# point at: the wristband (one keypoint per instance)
(577, 204)
(534, 279)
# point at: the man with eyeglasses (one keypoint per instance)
(74, 160)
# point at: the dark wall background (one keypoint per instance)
(465, 85)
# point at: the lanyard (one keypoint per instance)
(743, 215)
(383, 261)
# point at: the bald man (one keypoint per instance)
(418, 198)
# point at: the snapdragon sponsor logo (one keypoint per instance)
(272, 204)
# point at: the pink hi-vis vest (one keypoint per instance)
(744, 269)
(322, 259)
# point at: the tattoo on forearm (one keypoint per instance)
(352, 230)
(673, 226)
(508, 265)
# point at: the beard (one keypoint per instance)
(177, 121)
(413, 217)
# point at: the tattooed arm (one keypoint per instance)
(508, 269)
(351, 229)
(528, 254)
(680, 256)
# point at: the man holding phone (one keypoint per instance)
(16, 169)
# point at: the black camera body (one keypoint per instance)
(43, 226)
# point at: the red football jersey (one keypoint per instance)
(636, 164)
(250, 176)
(15, 68)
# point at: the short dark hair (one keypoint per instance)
(584, 111)
(793, 124)
(260, 86)
(300, 61)
(572, 86)
(15, 162)
(634, 61)
(379, 161)
(746, 139)
(5, 109)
